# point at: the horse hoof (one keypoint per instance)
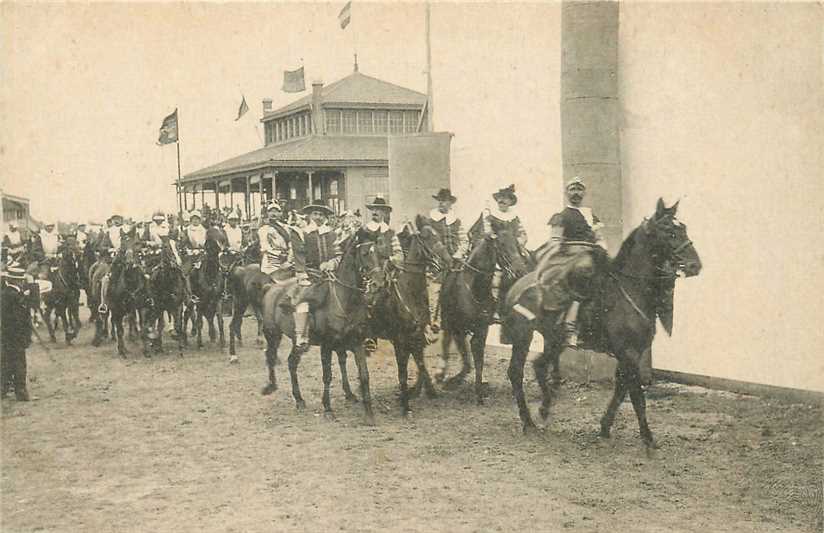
(651, 449)
(479, 400)
(330, 416)
(233, 360)
(544, 412)
(147, 355)
(431, 394)
(369, 419)
(604, 433)
(300, 405)
(352, 398)
(531, 429)
(269, 389)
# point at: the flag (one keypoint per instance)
(244, 107)
(345, 15)
(168, 131)
(293, 81)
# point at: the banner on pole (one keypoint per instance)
(168, 130)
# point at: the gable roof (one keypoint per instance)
(357, 88)
(315, 150)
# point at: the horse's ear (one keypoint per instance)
(659, 208)
(674, 208)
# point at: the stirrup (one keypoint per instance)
(570, 336)
(370, 345)
(102, 309)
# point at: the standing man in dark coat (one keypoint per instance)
(16, 332)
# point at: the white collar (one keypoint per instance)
(322, 229)
(506, 217)
(437, 216)
(375, 226)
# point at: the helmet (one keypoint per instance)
(233, 216)
(158, 214)
(195, 213)
(273, 204)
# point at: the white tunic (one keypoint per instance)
(157, 232)
(197, 236)
(274, 249)
(50, 242)
(235, 238)
(81, 239)
(115, 236)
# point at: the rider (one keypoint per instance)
(575, 238)
(234, 234)
(50, 238)
(491, 222)
(275, 239)
(13, 242)
(387, 246)
(81, 235)
(318, 250)
(453, 236)
(112, 238)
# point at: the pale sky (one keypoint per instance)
(85, 88)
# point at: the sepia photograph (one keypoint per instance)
(412, 266)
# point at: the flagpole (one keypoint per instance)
(430, 113)
(179, 179)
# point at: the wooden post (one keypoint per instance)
(247, 204)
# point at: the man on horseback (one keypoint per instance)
(575, 248)
(275, 241)
(50, 239)
(112, 239)
(453, 236)
(235, 240)
(318, 251)
(13, 243)
(490, 224)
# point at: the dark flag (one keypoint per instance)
(293, 81)
(244, 107)
(345, 15)
(168, 131)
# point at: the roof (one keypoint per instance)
(315, 150)
(361, 89)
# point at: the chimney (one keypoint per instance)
(267, 105)
(317, 111)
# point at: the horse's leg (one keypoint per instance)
(65, 321)
(618, 395)
(198, 324)
(639, 402)
(363, 376)
(117, 327)
(478, 344)
(326, 364)
(272, 343)
(160, 325)
(219, 313)
(463, 348)
(132, 326)
(98, 327)
(210, 320)
(344, 377)
(47, 319)
(423, 374)
(402, 358)
(294, 361)
(259, 327)
(446, 340)
(541, 368)
(144, 334)
(238, 308)
(520, 348)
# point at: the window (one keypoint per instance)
(317, 193)
(333, 188)
(290, 128)
(293, 193)
(269, 131)
(396, 122)
(333, 121)
(380, 121)
(364, 122)
(350, 119)
(281, 133)
(410, 121)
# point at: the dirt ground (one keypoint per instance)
(189, 444)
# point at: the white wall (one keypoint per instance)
(723, 106)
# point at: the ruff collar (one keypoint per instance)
(437, 216)
(383, 227)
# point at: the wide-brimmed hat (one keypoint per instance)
(506, 192)
(158, 214)
(576, 182)
(274, 204)
(317, 207)
(195, 213)
(445, 195)
(379, 203)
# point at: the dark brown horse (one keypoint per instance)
(167, 291)
(619, 321)
(400, 312)
(467, 303)
(127, 295)
(63, 272)
(207, 285)
(245, 282)
(338, 320)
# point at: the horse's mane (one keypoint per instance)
(620, 259)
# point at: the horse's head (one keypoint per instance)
(370, 270)
(435, 250)
(672, 242)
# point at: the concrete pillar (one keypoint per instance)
(590, 109)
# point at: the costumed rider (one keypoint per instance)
(235, 239)
(576, 249)
(112, 239)
(500, 218)
(453, 236)
(386, 243)
(13, 243)
(160, 232)
(50, 240)
(318, 251)
(195, 238)
(275, 242)
(16, 331)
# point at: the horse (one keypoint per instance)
(100, 313)
(168, 291)
(399, 312)
(246, 283)
(338, 321)
(63, 273)
(207, 285)
(127, 294)
(619, 321)
(467, 303)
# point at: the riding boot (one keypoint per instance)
(19, 363)
(302, 327)
(496, 297)
(571, 326)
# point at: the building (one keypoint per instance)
(16, 209)
(330, 146)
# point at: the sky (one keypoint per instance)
(85, 88)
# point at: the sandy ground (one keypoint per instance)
(171, 444)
